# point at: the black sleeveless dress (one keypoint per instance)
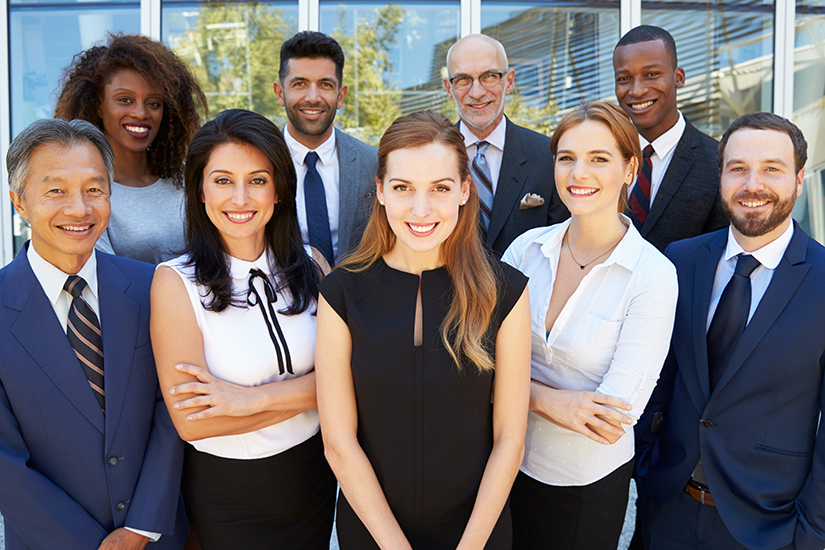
(426, 427)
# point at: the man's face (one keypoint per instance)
(759, 183)
(310, 94)
(479, 107)
(66, 201)
(646, 84)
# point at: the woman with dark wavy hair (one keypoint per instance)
(233, 331)
(146, 102)
(423, 377)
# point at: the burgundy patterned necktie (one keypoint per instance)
(83, 330)
(640, 197)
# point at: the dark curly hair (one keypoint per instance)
(82, 92)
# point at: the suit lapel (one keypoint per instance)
(39, 332)
(119, 318)
(347, 194)
(678, 168)
(786, 279)
(511, 180)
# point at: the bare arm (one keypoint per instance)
(339, 425)
(176, 339)
(511, 393)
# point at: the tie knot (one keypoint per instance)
(745, 265)
(74, 285)
(310, 160)
(481, 147)
(647, 152)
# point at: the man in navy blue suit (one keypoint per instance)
(89, 457)
(729, 455)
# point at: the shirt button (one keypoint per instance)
(707, 423)
(113, 461)
(120, 506)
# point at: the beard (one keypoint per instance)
(757, 224)
(307, 127)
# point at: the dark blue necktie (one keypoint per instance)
(730, 318)
(315, 201)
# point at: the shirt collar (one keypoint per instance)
(52, 279)
(769, 255)
(663, 144)
(240, 268)
(496, 138)
(299, 150)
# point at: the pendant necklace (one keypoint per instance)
(581, 265)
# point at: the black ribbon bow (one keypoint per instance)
(271, 298)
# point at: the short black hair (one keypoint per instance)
(649, 33)
(767, 121)
(311, 44)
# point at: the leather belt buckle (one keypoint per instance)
(700, 494)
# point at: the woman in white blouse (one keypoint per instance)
(233, 330)
(602, 302)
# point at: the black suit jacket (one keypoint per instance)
(687, 203)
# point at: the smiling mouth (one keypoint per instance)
(239, 217)
(137, 129)
(753, 204)
(76, 228)
(421, 229)
(641, 106)
(581, 192)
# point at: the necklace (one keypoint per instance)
(581, 265)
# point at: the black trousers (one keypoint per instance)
(588, 517)
(286, 501)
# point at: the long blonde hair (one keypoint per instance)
(472, 269)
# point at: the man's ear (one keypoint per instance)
(18, 204)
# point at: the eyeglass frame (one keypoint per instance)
(500, 76)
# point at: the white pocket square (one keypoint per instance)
(530, 200)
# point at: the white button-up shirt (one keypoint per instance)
(612, 336)
(495, 151)
(664, 147)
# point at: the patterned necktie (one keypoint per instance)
(730, 318)
(640, 197)
(315, 201)
(83, 330)
(483, 181)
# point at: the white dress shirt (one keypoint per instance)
(494, 152)
(663, 148)
(327, 167)
(612, 336)
(769, 256)
(52, 279)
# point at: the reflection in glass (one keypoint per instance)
(809, 112)
(233, 49)
(42, 42)
(396, 59)
(726, 49)
(562, 54)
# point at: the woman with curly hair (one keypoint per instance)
(146, 102)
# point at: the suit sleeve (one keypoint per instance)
(38, 511)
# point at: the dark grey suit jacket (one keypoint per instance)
(526, 167)
(356, 184)
(687, 203)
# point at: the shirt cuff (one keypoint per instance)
(154, 537)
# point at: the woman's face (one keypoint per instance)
(590, 170)
(239, 197)
(422, 193)
(131, 110)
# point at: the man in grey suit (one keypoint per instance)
(512, 166)
(336, 172)
(676, 195)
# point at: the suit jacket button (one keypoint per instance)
(707, 423)
(113, 461)
(120, 506)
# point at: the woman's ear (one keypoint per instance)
(379, 191)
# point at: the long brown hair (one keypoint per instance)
(473, 272)
(620, 126)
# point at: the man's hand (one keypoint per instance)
(123, 539)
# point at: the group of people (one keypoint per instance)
(480, 333)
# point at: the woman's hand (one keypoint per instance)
(589, 413)
(221, 398)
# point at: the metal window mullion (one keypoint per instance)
(783, 65)
(150, 18)
(6, 218)
(470, 17)
(630, 15)
(309, 15)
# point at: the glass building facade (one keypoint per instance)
(740, 56)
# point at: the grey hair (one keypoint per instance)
(60, 132)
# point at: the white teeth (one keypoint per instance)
(754, 204)
(575, 191)
(137, 129)
(640, 106)
(239, 217)
(422, 228)
(76, 228)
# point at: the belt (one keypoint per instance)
(702, 495)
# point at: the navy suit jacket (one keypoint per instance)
(70, 474)
(356, 186)
(687, 203)
(757, 432)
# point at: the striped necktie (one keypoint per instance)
(315, 201)
(640, 197)
(483, 181)
(83, 330)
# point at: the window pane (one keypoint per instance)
(395, 59)
(726, 49)
(562, 54)
(808, 112)
(42, 42)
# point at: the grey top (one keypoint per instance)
(146, 223)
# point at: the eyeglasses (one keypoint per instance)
(489, 79)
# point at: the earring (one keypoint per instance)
(381, 203)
